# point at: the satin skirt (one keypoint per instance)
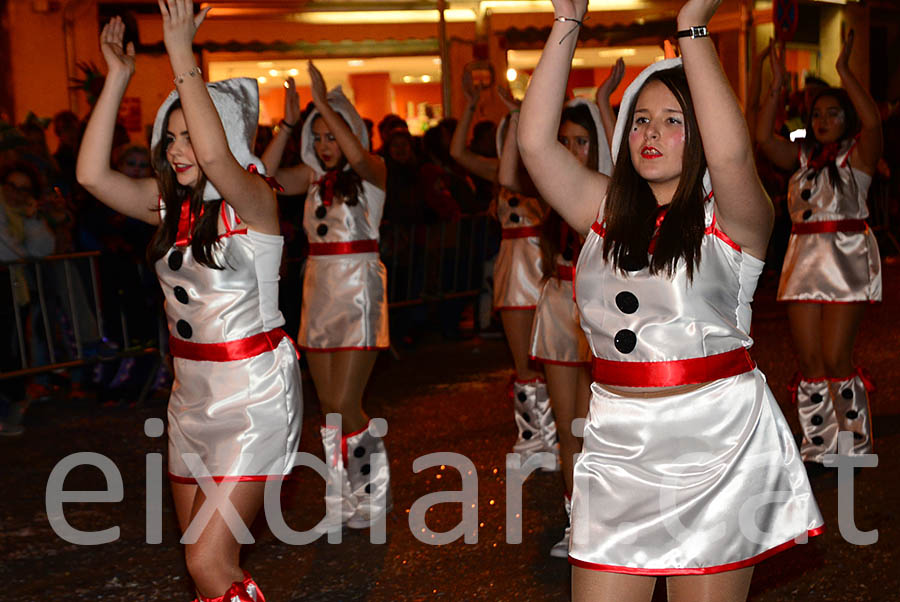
(344, 303)
(831, 267)
(241, 418)
(693, 483)
(556, 334)
(517, 274)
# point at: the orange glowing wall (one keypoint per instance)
(415, 93)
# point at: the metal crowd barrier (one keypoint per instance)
(428, 263)
(57, 319)
(881, 204)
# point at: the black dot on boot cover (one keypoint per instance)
(365, 469)
(815, 398)
(852, 414)
(818, 440)
(359, 452)
(847, 393)
(816, 419)
(526, 435)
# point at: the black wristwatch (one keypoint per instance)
(694, 32)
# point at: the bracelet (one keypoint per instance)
(192, 73)
(283, 123)
(511, 111)
(577, 23)
(693, 32)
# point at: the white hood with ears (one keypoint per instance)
(343, 107)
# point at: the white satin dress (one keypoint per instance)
(832, 255)
(237, 400)
(690, 483)
(517, 269)
(344, 281)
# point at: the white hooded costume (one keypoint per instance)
(693, 482)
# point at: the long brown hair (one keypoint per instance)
(206, 232)
(555, 238)
(631, 208)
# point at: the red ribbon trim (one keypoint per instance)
(672, 373)
(843, 225)
(565, 272)
(523, 232)
(272, 182)
(228, 351)
(186, 222)
(343, 248)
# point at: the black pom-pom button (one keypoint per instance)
(627, 302)
(807, 214)
(366, 469)
(625, 341)
(184, 329)
(322, 230)
(526, 435)
(818, 440)
(852, 414)
(805, 194)
(847, 393)
(321, 212)
(359, 452)
(175, 260)
(816, 398)
(858, 436)
(522, 396)
(181, 295)
(816, 420)
(811, 176)
(513, 201)
(526, 416)
(514, 218)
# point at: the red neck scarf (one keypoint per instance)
(186, 223)
(660, 216)
(326, 186)
(826, 155)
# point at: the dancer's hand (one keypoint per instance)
(291, 102)
(471, 91)
(779, 70)
(179, 24)
(612, 81)
(696, 13)
(573, 9)
(317, 84)
(512, 104)
(119, 61)
(843, 61)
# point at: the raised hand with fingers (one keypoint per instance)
(512, 103)
(843, 61)
(317, 85)
(612, 81)
(779, 70)
(291, 103)
(119, 60)
(179, 23)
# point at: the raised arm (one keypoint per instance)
(604, 91)
(479, 165)
(871, 142)
(754, 88)
(137, 198)
(783, 153)
(743, 210)
(247, 193)
(368, 165)
(511, 173)
(574, 190)
(296, 179)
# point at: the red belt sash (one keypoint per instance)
(844, 225)
(343, 248)
(227, 351)
(672, 373)
(523, 232)
(565, 272)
